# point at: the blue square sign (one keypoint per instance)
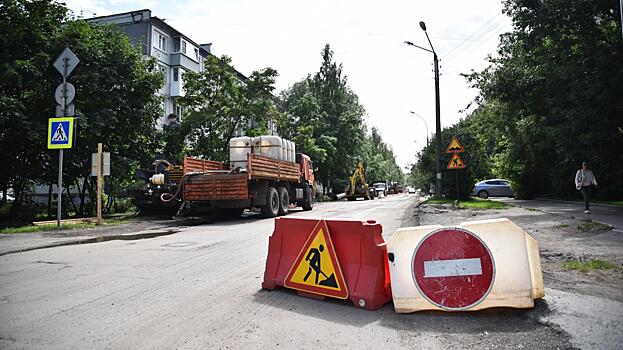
(60, 132)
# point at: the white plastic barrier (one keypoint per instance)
(473, 266)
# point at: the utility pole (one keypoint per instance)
(438, 124)
(438, 190)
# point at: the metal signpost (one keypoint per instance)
(456, 162)
(61, 129)
(100, 167)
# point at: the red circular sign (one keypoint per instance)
(453, 268)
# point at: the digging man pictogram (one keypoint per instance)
(314, 264)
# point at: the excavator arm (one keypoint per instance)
(358, 177)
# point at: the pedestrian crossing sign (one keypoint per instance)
(316, 269)
(60, 133)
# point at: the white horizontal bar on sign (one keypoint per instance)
(450, 268)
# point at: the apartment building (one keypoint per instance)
(176, 53)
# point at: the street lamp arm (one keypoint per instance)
(419, 47)
(425, 124)
(431, 44)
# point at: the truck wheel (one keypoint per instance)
(271, 208)
(284, 200)
(308, 203)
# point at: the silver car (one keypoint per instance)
(493, 188)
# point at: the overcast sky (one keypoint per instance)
(367, 37)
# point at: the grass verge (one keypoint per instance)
(590, 225)
(560, 227)
(617, 203)
(586, 266)
(67, 226)
(472, 203)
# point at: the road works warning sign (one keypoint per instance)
(60, 133)
(456, 162)
(453, 269)
(316, 269)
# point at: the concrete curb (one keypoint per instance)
(96, 239)
(579, 202)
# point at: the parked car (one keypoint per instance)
(411, 190)
(493, 188)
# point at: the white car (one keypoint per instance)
(380, 187)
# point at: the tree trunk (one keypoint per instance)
(81, 194)
(92, 195)
(18, 188)
(111, 198)
(71, 200)
(50, 199)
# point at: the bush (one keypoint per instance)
(122, 205)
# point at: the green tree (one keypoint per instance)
(27, 29)
(553, 94)
(324, 115)
(219, 102)
(116, 101)
(548, 101)
(301, 122)
(380, 161)
(115, 98)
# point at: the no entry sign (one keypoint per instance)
(453, 269)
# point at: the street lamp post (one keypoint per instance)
(425, 124)
(437, 109)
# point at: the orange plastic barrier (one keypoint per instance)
(330, 258)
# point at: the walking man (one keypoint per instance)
(585, 182)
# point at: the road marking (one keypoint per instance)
(452, 268)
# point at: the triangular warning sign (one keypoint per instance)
(316, 269)
(60, 135)
(456, 162)
(455, 146)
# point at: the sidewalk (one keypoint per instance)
(605, 213)
(148, 228)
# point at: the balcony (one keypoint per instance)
(180, 59)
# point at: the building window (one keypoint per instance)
(160, 41)
(197, 54)
(176, 74)
(183, 47)
(162, 69)
(179, 110)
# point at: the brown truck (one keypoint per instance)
(268, 184)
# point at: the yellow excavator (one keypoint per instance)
(357, 185)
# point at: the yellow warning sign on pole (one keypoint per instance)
(455, 146)
(316, 269)
(456, 162)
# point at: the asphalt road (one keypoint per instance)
(198, 288)
(201, 288)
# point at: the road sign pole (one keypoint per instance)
(456, 173)
(60, 187)
(99, 183)
(60, 155)
(64, 64)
